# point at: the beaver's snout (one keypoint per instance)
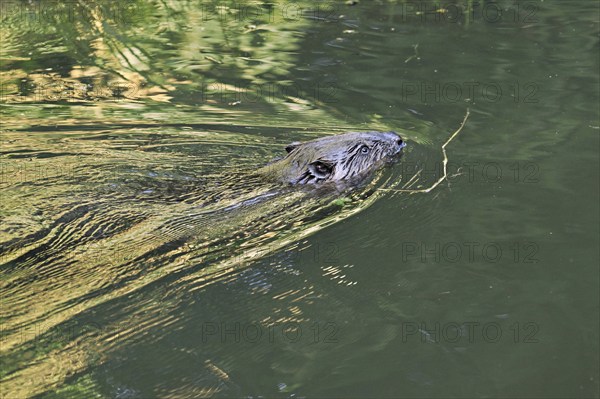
(395, 138)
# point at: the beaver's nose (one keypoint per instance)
(395, 138)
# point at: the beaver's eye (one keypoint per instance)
(320, 169)
(365, 150)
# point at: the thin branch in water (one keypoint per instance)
(441, 179)
(415, 55)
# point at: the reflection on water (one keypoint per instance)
(140, 258)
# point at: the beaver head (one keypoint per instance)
(338, 158)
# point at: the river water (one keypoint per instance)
(138, 260)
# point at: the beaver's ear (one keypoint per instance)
(292, 146)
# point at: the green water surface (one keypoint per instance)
(130, 269)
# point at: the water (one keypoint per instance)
(127, 128)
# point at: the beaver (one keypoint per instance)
(214, 231)
(340, 158)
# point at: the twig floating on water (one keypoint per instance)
(441, 179)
